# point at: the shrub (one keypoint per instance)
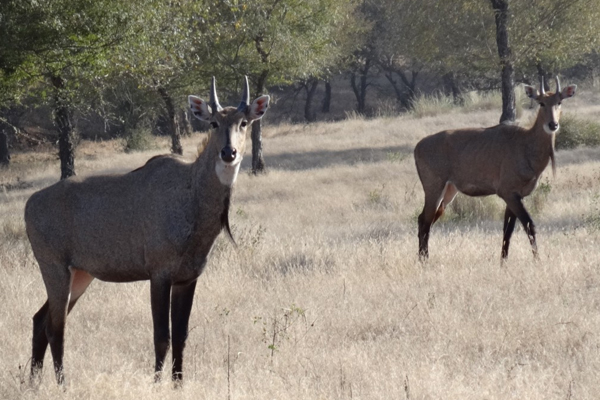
(575, 131)
(430, 106)
(536, 202)
(439, 103)
(138, 139)
(466, 208)
(474, 100)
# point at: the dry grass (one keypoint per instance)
(324, 297)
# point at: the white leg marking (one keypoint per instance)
(80, 280)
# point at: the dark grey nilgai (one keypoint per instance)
(506, 160)
(157, 222)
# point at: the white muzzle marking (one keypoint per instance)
(549, 131)
(226, 172)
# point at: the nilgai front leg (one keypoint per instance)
(182, 298)
(160, 293)
(509, 226)
(514, 202)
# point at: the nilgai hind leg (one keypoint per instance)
(49, 321)
(67, 286)
(515, 209)
(436, 202)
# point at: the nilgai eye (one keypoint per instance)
(542, 104)
(214, 124)
(244, 123)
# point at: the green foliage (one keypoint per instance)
(67, 38)
(575, 131)
(553, 34)
(276, 40)
(288, 327)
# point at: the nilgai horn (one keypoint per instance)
(155, 223)
(506, 160)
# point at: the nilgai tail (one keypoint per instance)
(506, 160)
(155, 223)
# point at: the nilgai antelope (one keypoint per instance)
(155, 223)
(506, 160)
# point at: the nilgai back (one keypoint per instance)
(155, 223)
(506, 160)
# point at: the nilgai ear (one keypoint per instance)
(200, 109)
(569, 91)
(258, 108)
(531, 92)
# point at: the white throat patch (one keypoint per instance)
(227, 173)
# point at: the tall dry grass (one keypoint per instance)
(324, 297)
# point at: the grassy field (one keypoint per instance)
(324, 297)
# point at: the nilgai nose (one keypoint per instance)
(505, 160)
(155, 223)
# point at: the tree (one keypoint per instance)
(168, 54)
(57, 45)
(274, 42)
(551, 36)
(501, 16)
(400, 37)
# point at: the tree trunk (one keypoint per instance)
(411, 85)
(360, 90)
(172, 121)
(404, 97)
(310, 87)
(62, 119)
(400, 98)
(258, 163)
(184, 123)
(327, 98)
(501, 16)
(4, 151)
(450, 82)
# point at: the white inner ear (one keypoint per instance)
(199, 108)
(531, 92)
(259, 107)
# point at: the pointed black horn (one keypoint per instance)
(245, 96)
(214, 100)
(542, 90)
(557, 85)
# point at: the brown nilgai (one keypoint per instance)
(155, 223)
(506, 160)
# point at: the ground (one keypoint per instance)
(324, 296)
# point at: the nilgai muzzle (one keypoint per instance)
(155, 223)
(506, 160)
